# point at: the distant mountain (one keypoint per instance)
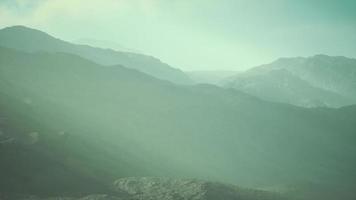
(310, 82)
(94, 124)
(211, 77)
(31, 40)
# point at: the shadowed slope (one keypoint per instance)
(119, 122)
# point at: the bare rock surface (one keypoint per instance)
(146, 188)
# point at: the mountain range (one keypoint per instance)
(71, 127)
(32, 40)
(321, 80)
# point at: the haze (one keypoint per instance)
(177, 99)
(198, 34)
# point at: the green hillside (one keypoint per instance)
(109, 122)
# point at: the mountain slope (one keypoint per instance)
(104, 45)
(210, 77)
(31, 40)
(315, 81)
(117, 122)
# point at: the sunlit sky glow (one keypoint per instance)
(198, 34)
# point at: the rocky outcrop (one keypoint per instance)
(172, 189)
(187, 189)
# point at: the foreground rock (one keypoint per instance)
(172, 189)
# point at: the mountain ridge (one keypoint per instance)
(323, 81)
(30, 40)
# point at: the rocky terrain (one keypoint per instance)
(170, 189)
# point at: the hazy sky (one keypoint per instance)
(199, 34)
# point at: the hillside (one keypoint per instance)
(112, 122)
(310, 82)
(31, 40)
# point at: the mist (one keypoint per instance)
(202, 35)
(172, 100)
